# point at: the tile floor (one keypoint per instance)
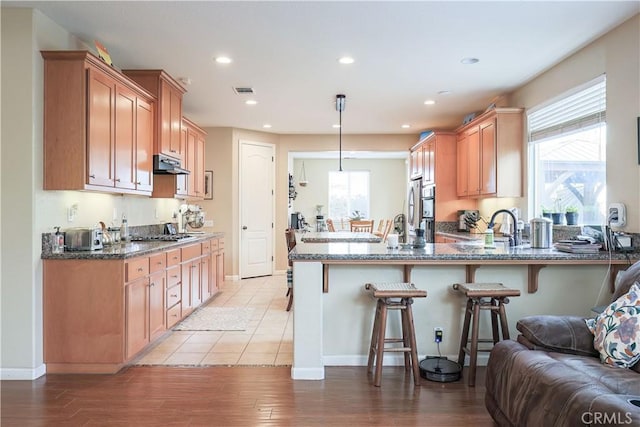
(268, 340)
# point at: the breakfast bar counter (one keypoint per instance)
(333, 315)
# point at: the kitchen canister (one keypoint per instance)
(541, 233)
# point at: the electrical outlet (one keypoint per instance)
(438, 334)
(72, 211)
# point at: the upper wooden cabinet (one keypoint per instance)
(169, 112)
(186, 186)
(490, 155)
(415, 162)
(97, 133)
(439, 152)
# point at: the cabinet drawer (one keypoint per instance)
(214, 244)
(136, 268)
(174, 295)
(173, 276)
(191, 251)
(173, 257)
(221, 243)
(206, 247)
(174, 314)
(157, 262)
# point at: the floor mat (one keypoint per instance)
(217, 319)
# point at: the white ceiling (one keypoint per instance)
(405, 52)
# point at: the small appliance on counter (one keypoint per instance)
(83, 239)
(190, 215)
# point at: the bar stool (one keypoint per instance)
(394, 296)
(497, 295)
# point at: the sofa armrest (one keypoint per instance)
(562, 334)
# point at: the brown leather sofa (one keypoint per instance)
(552, 376)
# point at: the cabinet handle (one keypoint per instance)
(175, 257)
(140, 269)
(174, 295)
(117, 179)
(174, 315)
(138, 183)
(152, 284)
(194, 266)
(92, 176)
(175, 276)
(173, 151)
(159, 262)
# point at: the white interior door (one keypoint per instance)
(256, 209)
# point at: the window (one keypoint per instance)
(348, 192)
(567, 154)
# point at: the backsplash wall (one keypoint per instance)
(95, 207)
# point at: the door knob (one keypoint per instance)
(244, 227)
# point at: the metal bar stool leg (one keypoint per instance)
(474, 343)
(382, 326)
(465, 332)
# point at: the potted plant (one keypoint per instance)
(557, 215)
(571, 213)
(546, 212)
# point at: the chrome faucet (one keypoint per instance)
(515, 239)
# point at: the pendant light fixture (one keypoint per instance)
(303, 177)
(340, 101)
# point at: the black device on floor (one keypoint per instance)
(440, 369)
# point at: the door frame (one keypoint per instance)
(242, 142)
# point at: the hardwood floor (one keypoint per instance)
(240, 396)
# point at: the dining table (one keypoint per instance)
(339, 237)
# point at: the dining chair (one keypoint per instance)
(387, 229)
(290, 235)
(380, 228)
(362, 226)
(330, 226)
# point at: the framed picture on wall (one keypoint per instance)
(208, 185)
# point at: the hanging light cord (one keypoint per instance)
(340, 138)
(340, 102)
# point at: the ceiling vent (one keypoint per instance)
(244, 90)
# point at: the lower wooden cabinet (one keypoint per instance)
(99, 314)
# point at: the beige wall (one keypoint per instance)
(618, 55)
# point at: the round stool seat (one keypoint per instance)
(488, 290)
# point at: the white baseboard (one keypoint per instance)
(234, 277)
(22, 373)
(307, 373)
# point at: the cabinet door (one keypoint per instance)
(187, 306)
(100, 123)
(165, 120)
(213, 272)
(205, 277)
(415, 163)
(220, 269)
(196, 283)
(191, 163)
(473, 162)
(462, 182)
(488, 157)
(175, 143)
(157, 305)
(181, 180)
(125, 141)
(428, 161)
(137, 315)
(144, 145)
(199, 166)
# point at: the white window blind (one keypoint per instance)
(580, 110)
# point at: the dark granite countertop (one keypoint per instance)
(131, 249)
(442, 252)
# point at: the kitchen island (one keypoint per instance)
(333, 315)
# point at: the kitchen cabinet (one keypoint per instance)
(98, 314)
(490, 155)
(186, 186)
(415, 162)
(168, 115)
(220, 265)
(97, 133)
(439, 154)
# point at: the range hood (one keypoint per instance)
(165, 165)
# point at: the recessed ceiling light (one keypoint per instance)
(444, 92)
(429, 102)
(266, 126)
(223, 60)
(469, 60)
(251, 102)
(336, 126)
(405, 126)
(346, 60)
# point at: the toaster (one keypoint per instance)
(83, 239)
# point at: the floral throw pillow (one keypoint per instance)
(617, 330)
